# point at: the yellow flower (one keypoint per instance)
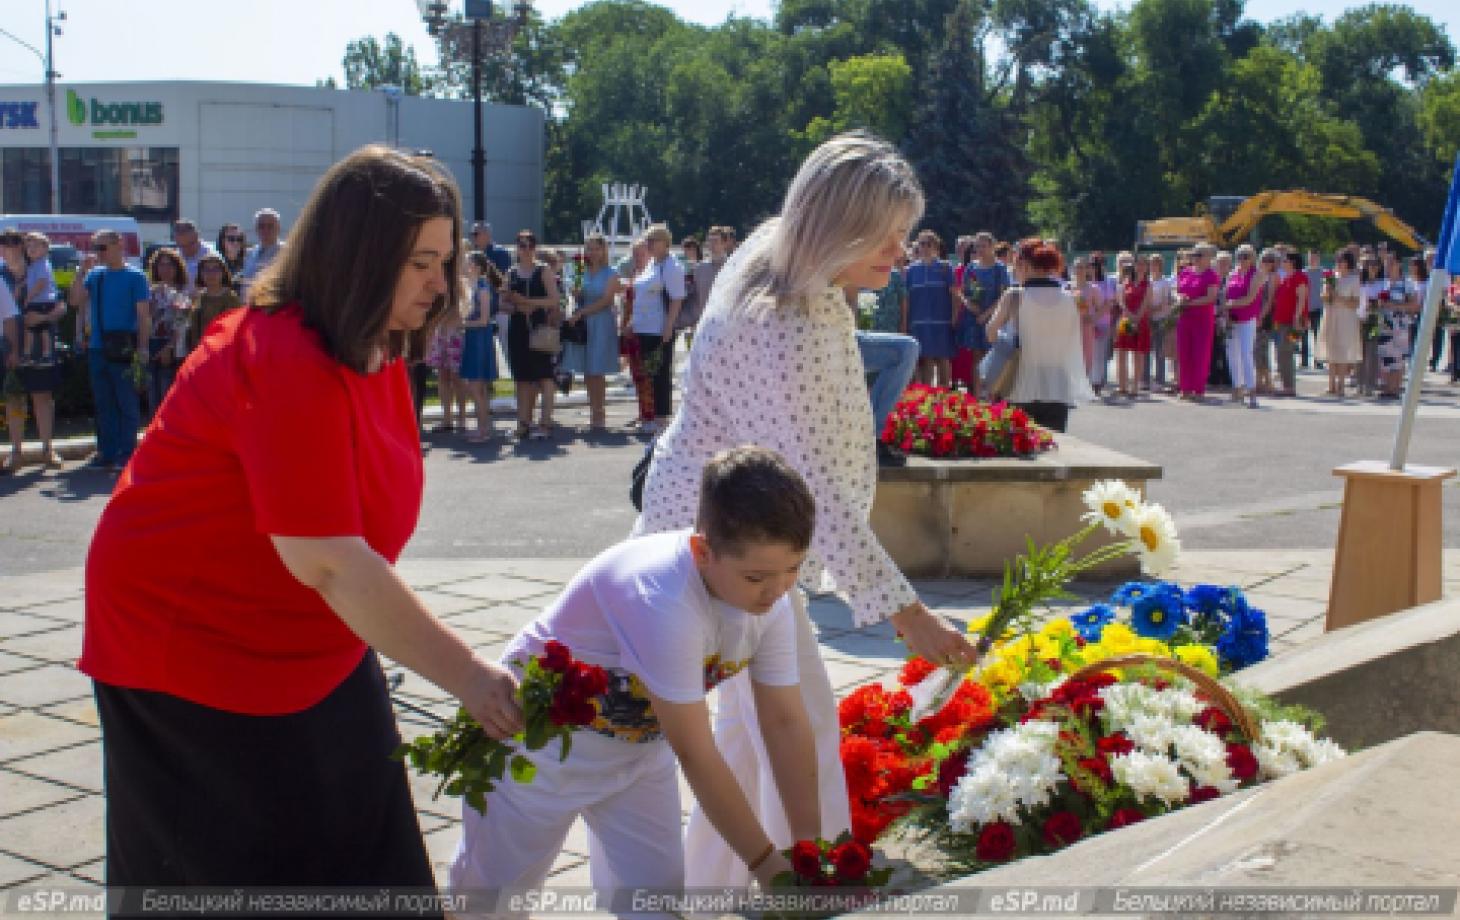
(1199, 657)
(1119, 638)
(1058, 628)
(1153, 647)
(1001, 673)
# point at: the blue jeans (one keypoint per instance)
(117, 412)
(891, 360)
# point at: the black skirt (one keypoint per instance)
(528, 366)
(200, 796)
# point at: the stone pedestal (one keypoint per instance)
(966, 518)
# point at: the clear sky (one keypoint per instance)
(300, 41)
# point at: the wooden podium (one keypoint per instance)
(1390, 542)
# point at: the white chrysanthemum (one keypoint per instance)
(1178, 704)
(982, 795)
(1152, 733)
(1016, 766)
(1217, 775)
(1288, 746)
(1111, 503)
(1323, 751)
(1275, 763)
(1154, 535)
(1151, 776)
(1204, 757)
(1123, 702)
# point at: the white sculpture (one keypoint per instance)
(622, 218)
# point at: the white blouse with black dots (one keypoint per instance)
(792, 380)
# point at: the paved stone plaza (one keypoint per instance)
(505, 527)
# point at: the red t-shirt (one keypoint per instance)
(262, 434)
(1285, 299)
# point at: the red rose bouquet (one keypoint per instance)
(841, 863)
(938, 422)
(557, 693)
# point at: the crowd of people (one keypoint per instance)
(1241, 320)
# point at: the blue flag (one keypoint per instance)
(1447, 250)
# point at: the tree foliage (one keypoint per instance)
(1048, 115)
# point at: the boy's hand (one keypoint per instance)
(774, 865)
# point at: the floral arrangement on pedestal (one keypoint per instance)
(1088, 722)
(938, 422)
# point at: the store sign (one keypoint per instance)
(103, 114)
(19, 115)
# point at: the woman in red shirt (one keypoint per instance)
(240, 578)
(1289, 318)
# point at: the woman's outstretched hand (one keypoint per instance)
(929, 637)
(492, 701)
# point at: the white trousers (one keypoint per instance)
(1240, 340)
(628, 795)
(709, 861)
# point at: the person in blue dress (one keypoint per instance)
(931, 292)
(984, 281)
(597, 357)
(478, 346)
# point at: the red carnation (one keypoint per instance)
(950, 771)
(995, 843)
(1125, 817)
(583, 681)
(806, 859)
(1213, 720)
(1204, 793)
(852, 861)
(1062, 829)
(1242, 761)
(1113, 745)
(1099, 766)
(555, 657)
(915, 670)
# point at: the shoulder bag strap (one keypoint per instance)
(96, 308)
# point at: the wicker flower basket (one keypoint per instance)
(1220, 696)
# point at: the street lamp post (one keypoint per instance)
(475, 32)
(48, 61)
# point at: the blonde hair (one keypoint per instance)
(1204, 249)
(848, 195)
(595, 239)
(659, 232)
(1247, 250)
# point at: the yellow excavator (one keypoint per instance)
(1239, 216)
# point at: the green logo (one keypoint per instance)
(75, 108)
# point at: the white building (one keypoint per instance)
(217, 152)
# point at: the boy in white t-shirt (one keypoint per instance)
(669, 616)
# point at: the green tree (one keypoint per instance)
(1439, 117)
(369, 63)
(871, 92)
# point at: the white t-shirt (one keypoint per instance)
(7, 304)
(641, 611)
(649, 289)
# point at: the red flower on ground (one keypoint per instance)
(1125, 817)
(914, 671)
(806, 859)
(853, 860)
(1100, 767)
(1114, 745)
(951, 770)
(996, 843)
(1062, 829)
(1204, 794)
(1213, 720)
(1242, 762)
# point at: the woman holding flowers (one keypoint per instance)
(1196, 298)
(1133, 332)
(776, 364)
(246, 724)
(1340, 334)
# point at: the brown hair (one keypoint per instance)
(208, 259)
(348, 248)
(689, 241)
(1041, 255)
(168, 254)
(751, 495)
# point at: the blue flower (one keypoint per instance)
(1245, 639)
(1159, 613)
(1090, 623)
(1130, 592)
(1206, 599)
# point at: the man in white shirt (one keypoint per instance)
(192, 248)
(266, 226)
(669, 616)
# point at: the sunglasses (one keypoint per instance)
(100, 247)
(234, 239)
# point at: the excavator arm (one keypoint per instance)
(1299, 201)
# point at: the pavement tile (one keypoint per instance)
(20, 793)
(93, 872)
(444, 605)
(550, 571)
(52, 683)
(845, 675)
(11, 663)
(82, 711)
(498, 619)
(869, 650)
(23, 591)
(14, 871)
(441, 850)
(15, 623)
(69, 610)
(422, 574)
(61, 646)
(26, 733)
(78, 766)
(62, 836)
(496, 588)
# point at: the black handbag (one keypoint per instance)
(116, 347)
(575, 331)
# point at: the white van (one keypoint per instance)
(76, 230)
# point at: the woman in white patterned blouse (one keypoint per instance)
(775, 363)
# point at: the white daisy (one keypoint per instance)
(1111, 503)
(1154, 535)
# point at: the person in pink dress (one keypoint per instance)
(1196, 297)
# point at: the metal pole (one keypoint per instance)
(478, 154)
(51, 103)
(1438, 283)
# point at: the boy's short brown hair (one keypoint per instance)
(751, 495)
